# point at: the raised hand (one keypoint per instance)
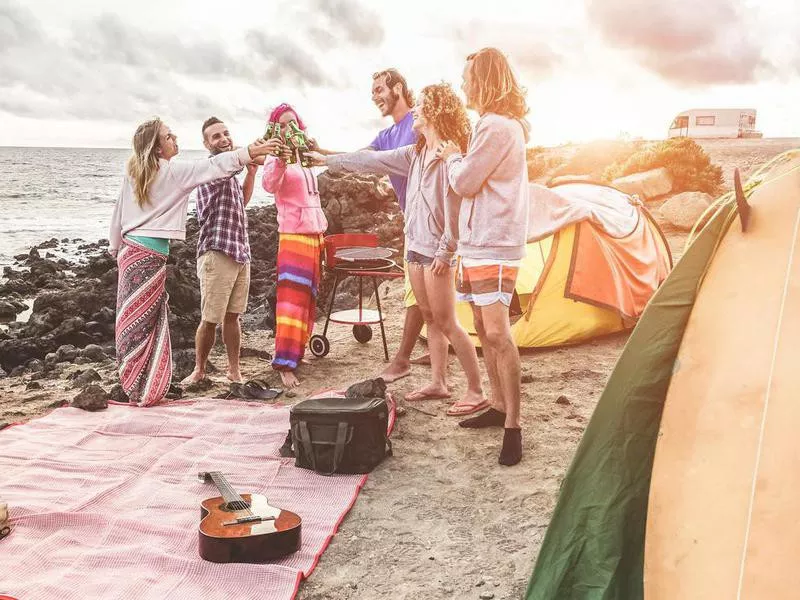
(317, 159)
(259, 148)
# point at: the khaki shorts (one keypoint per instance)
(224, 286)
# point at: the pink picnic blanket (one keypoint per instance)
(107, 504)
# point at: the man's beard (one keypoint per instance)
(216, 150)
(392, 102)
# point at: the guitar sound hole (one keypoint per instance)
(234, 506)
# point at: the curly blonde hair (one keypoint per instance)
(445, 111)
(494, 86)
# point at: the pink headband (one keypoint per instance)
(278, 111)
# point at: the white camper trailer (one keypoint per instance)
(715, 123)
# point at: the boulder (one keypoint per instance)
(93, 352)
(683, 210)
(117, 394)
(66, 353)
(92, 398)
(83, 378)
(646, 185)
(8, 310)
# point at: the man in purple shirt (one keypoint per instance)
(223, 257)
(391, 95)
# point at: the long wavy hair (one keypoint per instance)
(445, 111)
(143, 163)
(494, 86)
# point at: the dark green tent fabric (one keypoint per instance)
(594, 546)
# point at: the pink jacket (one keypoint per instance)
(296, 196)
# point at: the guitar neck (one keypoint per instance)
(228, 493)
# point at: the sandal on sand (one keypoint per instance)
(460, 409)
(393, 378)
(419, 396)
(255, 389)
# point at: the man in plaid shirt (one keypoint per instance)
(223, 257)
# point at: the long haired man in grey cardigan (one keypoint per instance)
(492, 179)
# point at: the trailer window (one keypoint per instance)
(680, 123)
(709, 120)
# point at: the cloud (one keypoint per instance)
(530, 51)
(360, 24)
(104, 68)
(17, 26)
(684, 41)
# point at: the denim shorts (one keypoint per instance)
(415, 258)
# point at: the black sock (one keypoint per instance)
(491, 418)
(511, 453)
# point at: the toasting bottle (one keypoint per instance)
(274, 131)
(300, 143)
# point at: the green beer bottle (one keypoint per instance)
(274, 131)
(299, 140)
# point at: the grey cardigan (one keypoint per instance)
(432, 206)
(492, 179)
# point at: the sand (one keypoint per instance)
(441, 518)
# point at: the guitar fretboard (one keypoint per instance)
(232, 499)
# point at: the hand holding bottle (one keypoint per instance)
(316, 159)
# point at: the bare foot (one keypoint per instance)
(395, 371)
(234, 376)
(194, 377)
(432, 391)
(425, 359)
(289, 379)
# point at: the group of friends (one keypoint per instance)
(464, 196)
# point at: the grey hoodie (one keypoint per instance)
(492, 179)
(432, 207)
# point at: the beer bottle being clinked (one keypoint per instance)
(296, 138)
(274, 131)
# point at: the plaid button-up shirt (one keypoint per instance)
(222, 218)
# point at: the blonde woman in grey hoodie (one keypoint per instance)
(431, 233)
(492, 178)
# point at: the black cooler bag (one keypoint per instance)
(340, 435)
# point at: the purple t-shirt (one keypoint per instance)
(398, 135)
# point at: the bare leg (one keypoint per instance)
(401, 365)
(506, 358)
(490, 360)
(440, 292)
(232, 336)
(437, 343)
(203, 342)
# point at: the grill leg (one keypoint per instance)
(380, 317)
(330, 304)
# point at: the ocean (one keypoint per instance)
(65, 193)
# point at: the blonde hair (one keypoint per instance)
(143, 163)
(494, 87)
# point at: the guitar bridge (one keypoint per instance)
(248, 519)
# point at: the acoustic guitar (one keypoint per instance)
(244, 529)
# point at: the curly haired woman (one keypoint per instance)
(431, 232)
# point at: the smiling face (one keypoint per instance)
(217, 138)
(167, 143)
(420, 122)
(384, 97)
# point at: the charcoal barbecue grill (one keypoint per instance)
(356, 255)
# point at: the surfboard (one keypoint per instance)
(724, 508)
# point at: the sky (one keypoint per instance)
(85, 73)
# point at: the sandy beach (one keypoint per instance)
(441, 518)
